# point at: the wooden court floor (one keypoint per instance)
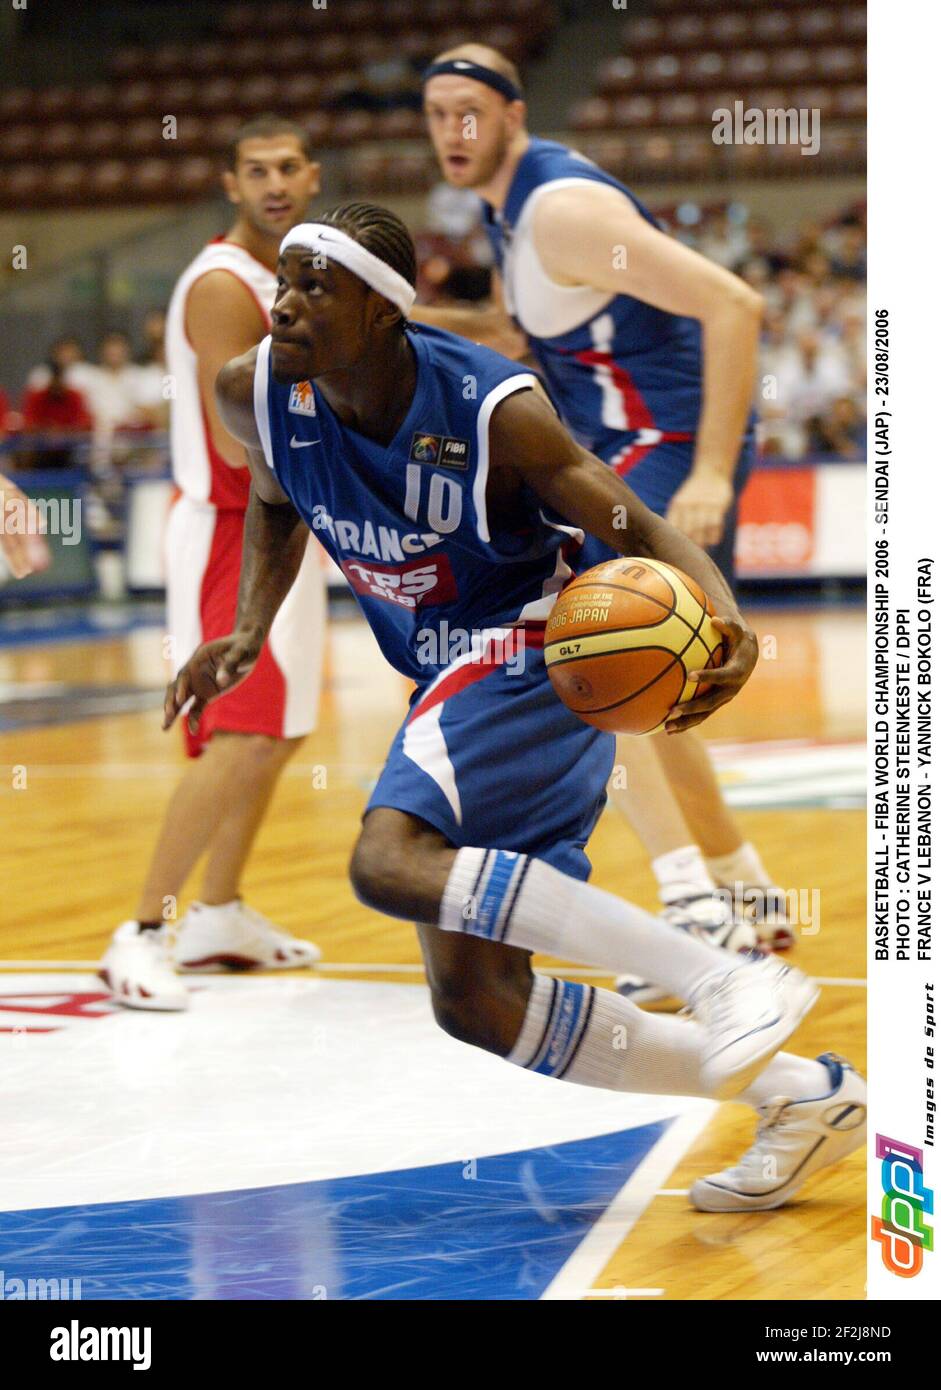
(80, 802)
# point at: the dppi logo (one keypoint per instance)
(902, 1230)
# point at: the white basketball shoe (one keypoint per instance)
(233, 936)
(708, 917)
(748, 1013)
(138, 969)
(770, 912)
(795, 1139)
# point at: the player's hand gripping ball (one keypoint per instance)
(622, 641)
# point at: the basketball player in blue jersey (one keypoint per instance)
(440, 479)
(649, 352)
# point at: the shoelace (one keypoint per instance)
(679, 914)
(772, 1116)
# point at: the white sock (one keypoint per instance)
(743, 866)
(682, 873)
(593, 1037)
(797, 1078)
(523, 901)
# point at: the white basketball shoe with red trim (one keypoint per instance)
(138, 969)
(232, 936)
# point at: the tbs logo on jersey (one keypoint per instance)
(443, 450)
(301, 400)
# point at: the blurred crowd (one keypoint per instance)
(812, 374)
(73, 411)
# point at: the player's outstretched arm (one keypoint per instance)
(591, 234)
(527, 439)
(272, 551)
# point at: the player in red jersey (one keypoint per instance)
(219, 309)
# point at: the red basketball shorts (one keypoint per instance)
(203, 549)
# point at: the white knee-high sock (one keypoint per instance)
(523, 901)
(593, 1037)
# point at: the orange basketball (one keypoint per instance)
(622, 639)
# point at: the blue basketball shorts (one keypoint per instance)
(490, 756)
(655, 474)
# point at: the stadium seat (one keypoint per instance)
(135, 96)
(23, 184)
(109, 180)
(218, 94)
(101, 137)
(96, 100)
(19, 142)
(634, 111)
(15, 101)
(60, 139)
(303, 89)
(591, 114)
(645, 33)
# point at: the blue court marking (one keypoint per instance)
(24, 628)
(416, 1233)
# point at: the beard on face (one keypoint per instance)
(488, 162)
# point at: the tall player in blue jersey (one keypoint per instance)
(438, 476)
(649, 353)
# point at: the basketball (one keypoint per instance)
(622, 640)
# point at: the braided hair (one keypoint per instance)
(379, 231)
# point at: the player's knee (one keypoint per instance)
(482, 1013)
(376, 872)
(254, 754)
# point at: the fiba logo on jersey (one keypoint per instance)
(301, 400)
(444, 450)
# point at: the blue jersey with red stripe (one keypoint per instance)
(626, 374)
(436, 577)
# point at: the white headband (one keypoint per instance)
(325, 240)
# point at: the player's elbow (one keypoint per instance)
(747, 303)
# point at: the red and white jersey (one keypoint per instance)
(199, 471)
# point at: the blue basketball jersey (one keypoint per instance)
(407, 522)
(621, 371)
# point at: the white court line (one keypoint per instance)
(358, 968)
(585, 1264)
(673, 1192)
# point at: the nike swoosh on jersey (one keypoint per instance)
(302, 443)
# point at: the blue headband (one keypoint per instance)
(463, 67)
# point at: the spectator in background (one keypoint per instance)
(152, 371)
(721, 240)
(841, 430)
(761, 249)
(113, 395)
(809, 380)
(848, 260)
(68, 353)
(4, 414)
(53, 415)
